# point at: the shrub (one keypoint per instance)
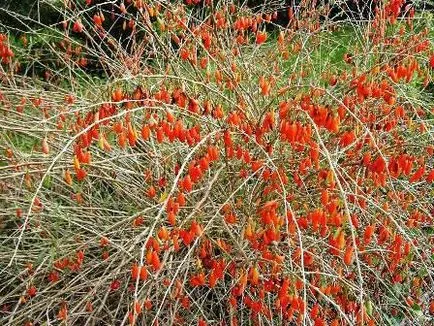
(215, 172)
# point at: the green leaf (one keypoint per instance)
(48, 182)
(368, 306)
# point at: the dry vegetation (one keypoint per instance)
(194, 162)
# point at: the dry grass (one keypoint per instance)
(297, 149)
